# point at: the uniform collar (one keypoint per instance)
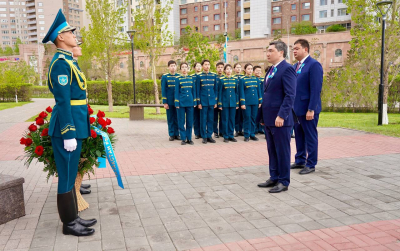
(65, 52)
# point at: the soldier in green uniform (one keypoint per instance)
(257, 73)
(196, 113)
(237, 68)
(168, 97)
(69, 123)
(217, 126)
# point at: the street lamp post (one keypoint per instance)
(383, 7)
(131, 34)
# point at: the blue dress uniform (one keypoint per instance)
(250, 95)
(239, 112)
(218, 129)
(259, 127)
(69, 120)
(228, 101)
(185, 99)
(206, 85)
(168, 96)
(196, 112)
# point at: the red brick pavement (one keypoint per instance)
(374, 236)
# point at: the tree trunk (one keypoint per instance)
(154, 77)
(110, 98)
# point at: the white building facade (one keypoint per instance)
(255, 18)
(329, 12)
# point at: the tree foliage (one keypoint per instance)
(103, 39)
(335, 28)
(302, 28)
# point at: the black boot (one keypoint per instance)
(85, 223)
(86, 186)
(84, 191)
(67, 209)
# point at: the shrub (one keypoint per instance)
(335, 28)
(8, 92)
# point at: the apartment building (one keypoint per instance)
(328, 12)
(286, 12)
(208, 17)
(256, 18)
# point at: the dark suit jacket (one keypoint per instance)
(309, 85)
(279, 95)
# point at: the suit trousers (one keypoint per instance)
(186, 134)
(66, 163)
(172, 120)
(228, 121)
(306, 136)
(239, 120)
(278, 143)
(249, 124)
(196, 121)
(206, 121)
(217, 125)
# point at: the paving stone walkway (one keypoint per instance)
(204, 197)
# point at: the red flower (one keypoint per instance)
(39, 150)
(32, 128)
(28, 141)
(39, 121)
(22, 141)
(49, 109)
(108, 121)
(90, 111)
(45, 132)
(110, 130)
(101, 114)
(43, 115)
(102, 122)
(92, 120)
(93, 134)
(88, 105)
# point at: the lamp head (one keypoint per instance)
(384, 7)
(131, 33)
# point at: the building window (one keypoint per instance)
(183, 31)
(217, 27)
(246, 21)
(317, 54)
(205, 28)
(342, 12)
(205, 18)
(235, 58)
(121, 65)
(239, 14)
(196, 28)
(239, 3)
(306, 5)
(340, 1)
(216, 6)
(293, 6)
(332, 13)
(332, 1)
(323, 2)
(239, 25)
(183, 1)
(323, 14)
(196, 8)
(216, 17)
(183, 11)
(276, 9)
(338, 53)
(277, 20)
(246, 10)
(196, 19)
(246, 33)
(141, 64)
(40, 4)
(305, 17)
(293, 18)
(184, 21)
(205, 7)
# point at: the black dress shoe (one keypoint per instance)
(268, 183)
(84, 191)
(190, 142)
(296, 166)
(241, 133)
(211, 140)
(183, 143)
(86, 223)
(197, 136)
(216, 135)
(307, 170)
(233, 140)
(278, 188)
(221, 135)
(87, 186)
(226, 140)
(171, 138)
(254, 138)
(236, 134)
(76, 229)
(246, 139)
(178, 137)
(204, 141)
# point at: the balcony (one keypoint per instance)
(33, 39)
(246, 16)
(32, 28)
(32, 22)
(31, 11)
(31, 17)
(34, 33)
(30, 4)
(246, 27)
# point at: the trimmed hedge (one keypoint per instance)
(8, 91)
(122, 92)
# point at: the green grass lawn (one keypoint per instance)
(8, 105)
(361, 121)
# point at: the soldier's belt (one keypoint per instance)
(78, 102)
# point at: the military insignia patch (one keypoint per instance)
(62, 79)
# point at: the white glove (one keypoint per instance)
(70, 145)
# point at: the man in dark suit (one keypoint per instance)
(277, 116)
(307, 107)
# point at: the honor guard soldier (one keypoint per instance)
(217, 126)
(237, 68)
(257, 73)
(250, 101)
(206, 85)
(69, 123)
(185, 101)
(168, 81)
(228, 102)
(196, 113)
